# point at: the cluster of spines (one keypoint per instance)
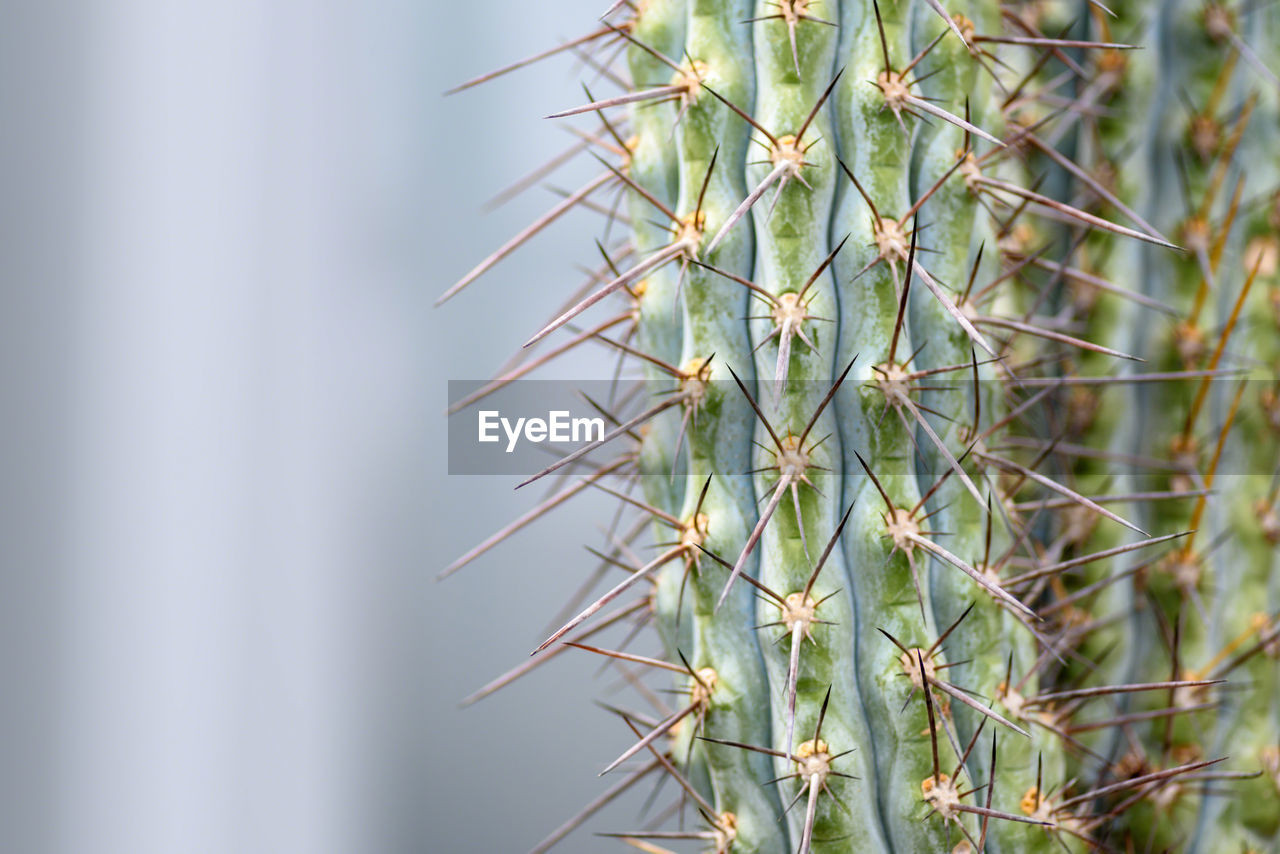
(1208, 609)
(889, 545)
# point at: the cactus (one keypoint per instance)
(959, 327)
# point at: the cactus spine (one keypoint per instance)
(964, 475)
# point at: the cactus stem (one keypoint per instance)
(785, 152)
(920, 667)
(813, 760)
(792, 461)
(890, 237)
(941, 791)
(949, 19)
(792, 13)
(1119, 683)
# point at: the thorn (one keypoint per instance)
(524, 235)
(595, 806)
(547, 505)
(476, 81)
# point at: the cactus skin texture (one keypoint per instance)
(964, 478)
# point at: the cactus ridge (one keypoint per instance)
(959, 331)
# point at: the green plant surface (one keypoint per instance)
(957, 335)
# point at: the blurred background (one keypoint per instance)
(224, 495)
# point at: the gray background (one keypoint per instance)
(224, 489)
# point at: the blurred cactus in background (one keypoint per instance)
(953, 497)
